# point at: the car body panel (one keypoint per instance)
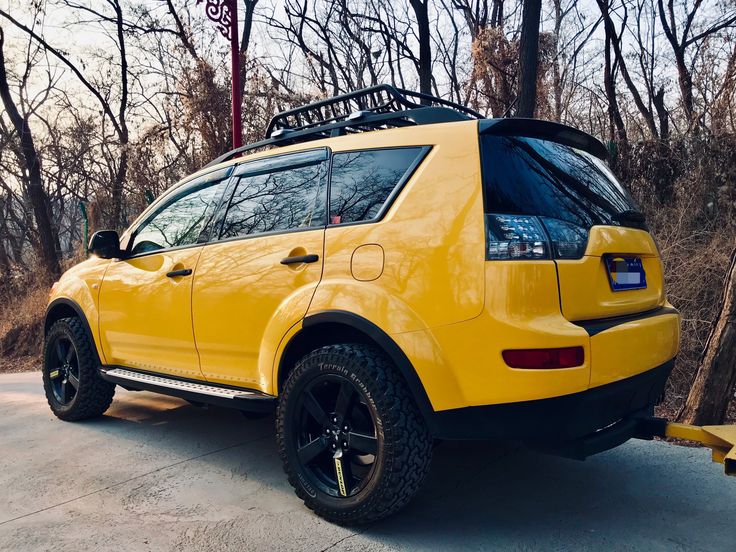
(146, 317)
(432, 270)
(243, 299)
(81, 286)
(584, 287)
(633, 347)
(529, 318)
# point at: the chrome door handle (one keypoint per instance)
(300, 259)
(180, 272)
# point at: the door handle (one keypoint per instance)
(180, 272)
(300, 259)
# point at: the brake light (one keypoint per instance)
(566, 357)
(515, 237)
(524, 237)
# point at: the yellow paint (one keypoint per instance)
(720, 439)
(340, 476)
(584, 287)
(244, 301)
(146, 318)
(419, 274)
(629, 349)
(367, 262)
(81, 284)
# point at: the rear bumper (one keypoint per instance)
(578, 424)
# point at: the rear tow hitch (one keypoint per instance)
(720, 439)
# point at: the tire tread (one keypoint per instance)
(94, 395)
(407, 444)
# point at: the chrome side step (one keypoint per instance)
(242, 399)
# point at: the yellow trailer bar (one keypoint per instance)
(720, 439)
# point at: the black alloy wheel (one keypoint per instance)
(64, 370)
(337, 442)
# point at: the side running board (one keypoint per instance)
(242, 399)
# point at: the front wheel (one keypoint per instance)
(353, 442)
(71, 380)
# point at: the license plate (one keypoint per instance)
(625, 272)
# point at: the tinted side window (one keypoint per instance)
(363, 180)
(277, 200)
(178, 223)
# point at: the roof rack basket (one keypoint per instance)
(373, 108)
(379, 99)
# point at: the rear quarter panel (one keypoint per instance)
(432, 238)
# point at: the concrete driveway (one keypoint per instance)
(158, 474)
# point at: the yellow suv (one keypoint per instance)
(384, 269)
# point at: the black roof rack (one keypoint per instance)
(374, 108)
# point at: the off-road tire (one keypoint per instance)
(404, 442)
(94, 395)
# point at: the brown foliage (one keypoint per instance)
(687, 189)
(21, 327)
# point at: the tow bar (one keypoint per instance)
(720, 439)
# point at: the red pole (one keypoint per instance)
(235, 54)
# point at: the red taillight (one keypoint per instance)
(566, 357)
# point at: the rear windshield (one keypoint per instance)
(529, 176)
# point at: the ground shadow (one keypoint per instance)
(477, 493)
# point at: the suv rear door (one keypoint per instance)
(264, 267)
(608, 266)
(577, 198)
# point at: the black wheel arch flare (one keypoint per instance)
(66, 308)
(372, 334)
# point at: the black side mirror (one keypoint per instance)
(105, 244)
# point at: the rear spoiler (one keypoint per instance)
(544, 130)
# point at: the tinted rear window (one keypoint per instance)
(528, 176)
(362, 181)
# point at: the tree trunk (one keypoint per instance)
(421, 11)
(118, 190)
(528, 58)
(714, 383)
(47, 239)
(618, 130)
(662, 113)
(250, 7)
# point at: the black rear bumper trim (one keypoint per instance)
(583, 423)
(598, 325)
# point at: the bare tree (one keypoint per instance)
(687, 38)
(713, 387)
(614, 37)
(528, 58)
(31, 175)
(116, 114)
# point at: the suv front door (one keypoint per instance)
(269, 254)
(145, 298)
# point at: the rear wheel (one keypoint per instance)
(73, 386)
(353, 442)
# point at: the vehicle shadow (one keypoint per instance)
(479, 495)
